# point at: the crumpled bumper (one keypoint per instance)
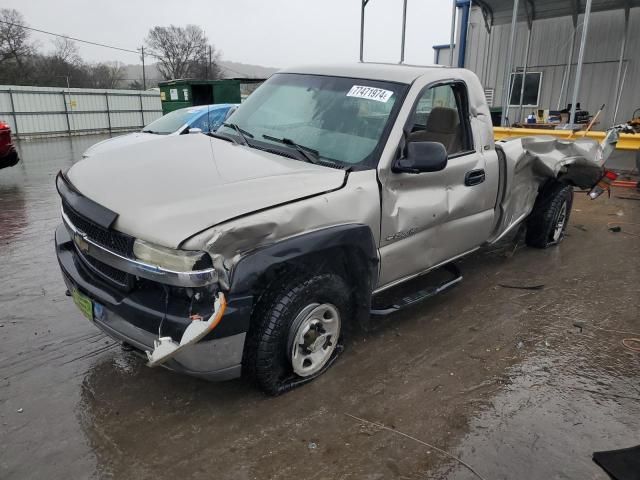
(218, 359)
(212, 359)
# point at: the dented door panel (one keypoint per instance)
(429, 218)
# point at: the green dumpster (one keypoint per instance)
(175, 94)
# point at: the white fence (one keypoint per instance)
(34, 111)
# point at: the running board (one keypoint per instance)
(407, 300)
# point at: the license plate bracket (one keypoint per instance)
(84, 303)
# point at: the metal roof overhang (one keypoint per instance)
(499, 12)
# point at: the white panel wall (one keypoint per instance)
(487, 55)
(42, 111)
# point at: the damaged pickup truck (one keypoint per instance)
(253, 249)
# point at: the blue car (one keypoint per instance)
(205, 118)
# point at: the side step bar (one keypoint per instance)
(422, 294)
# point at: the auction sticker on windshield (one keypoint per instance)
(371, 93)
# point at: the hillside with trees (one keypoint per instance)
(170, 52)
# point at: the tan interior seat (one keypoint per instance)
(442, 127)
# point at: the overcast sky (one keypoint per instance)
(273, 33)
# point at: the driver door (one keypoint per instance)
(429, 218)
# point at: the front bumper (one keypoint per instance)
(9, 159)
(134, 318)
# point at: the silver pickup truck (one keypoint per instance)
(331, 189)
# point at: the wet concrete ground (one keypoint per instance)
(522, 384)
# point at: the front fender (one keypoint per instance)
(353, 244)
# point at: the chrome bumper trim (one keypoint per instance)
(86, 246)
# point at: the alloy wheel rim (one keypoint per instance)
(560, 222)
(315, 335)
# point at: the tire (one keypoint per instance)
(278, 355)
(548, 220)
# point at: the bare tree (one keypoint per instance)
(207, 65)
(66, 51)
(15, 48)
(14, 38)
(106, 75)
(179, 51)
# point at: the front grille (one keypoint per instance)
(116, 241)
(113, 275)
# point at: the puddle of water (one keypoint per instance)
(565, 402)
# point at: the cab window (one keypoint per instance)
(442, 115)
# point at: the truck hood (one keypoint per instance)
(119, 142)
(167, 190)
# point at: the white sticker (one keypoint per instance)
(173, 93)
(370, 93)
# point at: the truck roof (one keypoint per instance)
(391, 72)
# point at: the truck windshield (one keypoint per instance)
(342, 119)
(170, 122)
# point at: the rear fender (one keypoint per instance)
(529, 163)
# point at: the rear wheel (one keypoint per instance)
(296, 332)
(548, 220)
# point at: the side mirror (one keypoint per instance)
(422, 157)
(194, 130)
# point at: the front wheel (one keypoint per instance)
(549, 218)
(296, 332)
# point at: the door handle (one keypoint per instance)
(474, 177)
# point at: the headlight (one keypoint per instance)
(171, 259)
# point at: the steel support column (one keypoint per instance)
(66, 110)
(141, 110)
(623, 49)
(486, 61)
(404, 30)
(106, 98)
(524, 71)
(362, 7)
(506, 86)
(624, 76)
(452, 38)
(13, 113)
(144, 76)
(567, 70)
(583, 43)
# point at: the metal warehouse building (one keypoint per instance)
(554, 43)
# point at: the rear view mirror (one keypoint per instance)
(422, 157)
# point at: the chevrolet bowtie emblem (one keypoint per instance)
(81, 243)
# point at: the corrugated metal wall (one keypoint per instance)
(34, 111)
(550, 43)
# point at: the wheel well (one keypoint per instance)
(349, 262)
(549, 188)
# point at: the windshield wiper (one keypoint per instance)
(310, 154)
(149, 131)
(243, 133)
(222, 136)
